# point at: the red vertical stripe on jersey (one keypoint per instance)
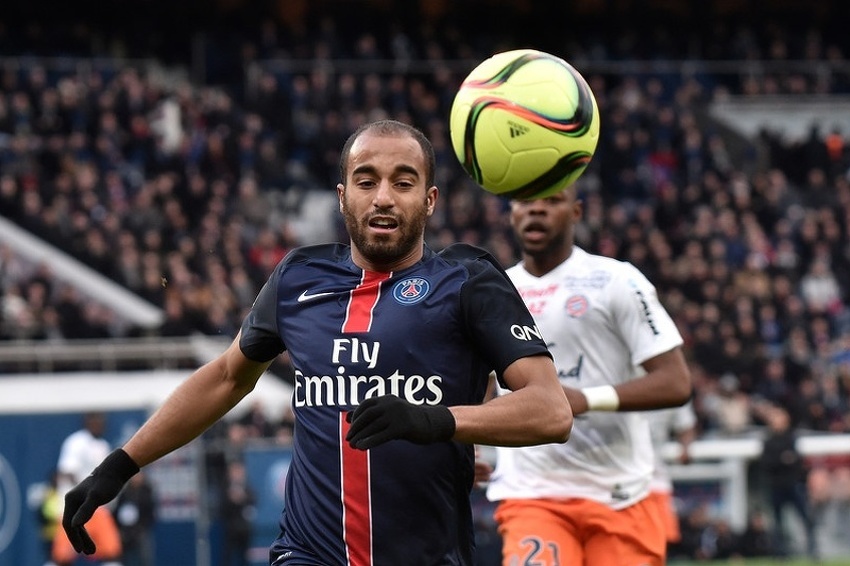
(356, 504)
(362, 301)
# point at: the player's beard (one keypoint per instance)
(387, 248)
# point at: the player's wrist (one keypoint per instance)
(601, 398)
(118, 464)
(441, 422)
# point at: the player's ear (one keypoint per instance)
(431, 199)
(340, 192)
(578, 209)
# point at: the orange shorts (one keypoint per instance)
(578, 532)
(668, 514)
(102, 530)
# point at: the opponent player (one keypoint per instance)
(79, 454)
(618, 353)
(391, 345)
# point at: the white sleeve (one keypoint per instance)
(644, 324)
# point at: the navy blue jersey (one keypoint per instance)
(429, 334)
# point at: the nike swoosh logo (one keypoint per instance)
(306, 296)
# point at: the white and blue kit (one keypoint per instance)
(430, 334)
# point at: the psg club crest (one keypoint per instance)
(576, 306)
(411, 290)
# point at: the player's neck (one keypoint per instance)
(381, 265)
(542, 263)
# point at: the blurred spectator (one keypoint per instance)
(256, 423)
(176, 322)
(286, 426)
(80, 453)
(266, 251)
(694, 524)
(49, 514)
(135, 513)
(727, 405)
(238, 516)
(773, 385)
(757, 540)
(785, 472)
(819, 287)
(841, 492)
(719, 542)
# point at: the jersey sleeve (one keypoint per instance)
(496, 317)
(644, 323)
(259, 339)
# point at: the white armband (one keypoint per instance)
(601, 398)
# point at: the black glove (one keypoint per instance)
(102, 486)
(379, 419)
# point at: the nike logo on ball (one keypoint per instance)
(305, 296)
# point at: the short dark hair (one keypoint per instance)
(391, 128)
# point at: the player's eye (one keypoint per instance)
(364, 183)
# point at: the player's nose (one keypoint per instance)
(537, 206)
(383, 195)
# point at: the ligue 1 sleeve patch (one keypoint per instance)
(576, 306)
(411, 290)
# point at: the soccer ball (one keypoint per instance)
(524, 124)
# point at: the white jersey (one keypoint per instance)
(662, 423)
(80, 453)
(601, 319)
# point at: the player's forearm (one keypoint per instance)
(647, 396)
(638, 395)
(529, 416)
(668, 386)
(666, 383)
(207, 395)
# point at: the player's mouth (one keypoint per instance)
(383, 224)
(534, 232)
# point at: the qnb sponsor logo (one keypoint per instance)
(647, 313)
(342, 389)
(527, 333)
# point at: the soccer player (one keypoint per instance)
(392, 345)
(79, 454)
(618, 353)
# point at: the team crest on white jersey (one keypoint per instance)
(576, 306)
(411, 290)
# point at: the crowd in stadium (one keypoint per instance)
(173, 190)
